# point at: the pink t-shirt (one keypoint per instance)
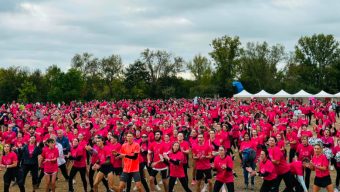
(79, 151)
(276, 154)
(321, 160)
(268, 166)
(305, 152)
(30, 149)
(9, 158)
(223, 175)
(247, 144)
(116, 163)
(177, 170)
(296, 168)
(48, 154)
(157, 148)
(199, 151)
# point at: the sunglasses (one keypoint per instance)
(144, 136)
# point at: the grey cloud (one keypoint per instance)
(184, 28)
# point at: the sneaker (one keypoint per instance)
(331, 167)
(205, 188)
(252, 187)
(246, 187)
(193, 182)
(74, 182)
(158, 188)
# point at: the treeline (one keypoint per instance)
(314, 65)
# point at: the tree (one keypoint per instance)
(199, 67)
(315, 56)
(90, 69)
(137, 79)
(160, 64)
(226, 53)
(258, 66)
(72, 85)
(54, 80)
(111, 68)
(11, 80)
(27, 92)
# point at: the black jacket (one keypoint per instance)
(25, 156)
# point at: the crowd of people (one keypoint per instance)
(134, 141)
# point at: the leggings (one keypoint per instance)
(41, 175)
(73, 172)
(64, 171)
(287, 178)
(291, 154)
(34, 168)
(91, 175)
(269, 186)
(218, 185)
(142, 178)
(307, 177)
(10, 175)
(183, 181)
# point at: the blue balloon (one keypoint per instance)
(238, 85)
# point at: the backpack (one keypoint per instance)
(248, 155)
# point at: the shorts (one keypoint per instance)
(322, 181)
(164, 173)
(106, 169)
(50, 173)
(126, 176)
(200, 174)
(117, 170)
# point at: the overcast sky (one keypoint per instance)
(39, 33)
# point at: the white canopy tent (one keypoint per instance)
(302, 94)
(337, 95)
(263, 94)
(243, 94)
(282, 94)
(322, 94)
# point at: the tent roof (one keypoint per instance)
(323, 94)
(336, 95)
(263, 93)
(302, 93)
(243, 94)
(282, 94)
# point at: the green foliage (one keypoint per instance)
(137, 80)
(27, 92)
(316, 60)
(226, 53)
(313, 66)
(258, 66)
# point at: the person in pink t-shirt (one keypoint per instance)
(201, 153)
(246, 146)
(281, 165)
(267, 171)
(176, 160)
(305, 152)
(336, 149)
(320, 164)
(49, 160)
(78, 156)
(223, 164)
(9, 163)
(155, 154)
